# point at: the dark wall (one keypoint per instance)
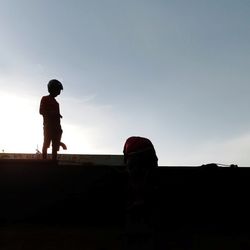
(207, 196)
(44, 192)
(38, 191)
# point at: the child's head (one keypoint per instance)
(55, 87)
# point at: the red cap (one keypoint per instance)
(137, 144)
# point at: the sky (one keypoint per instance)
(174, 71)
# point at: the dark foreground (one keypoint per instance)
(49, 206)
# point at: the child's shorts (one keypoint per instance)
(52, 135)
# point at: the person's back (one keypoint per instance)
(139, 153)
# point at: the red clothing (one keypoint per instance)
(136, 146)
(49, 109)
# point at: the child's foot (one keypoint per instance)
(63, 145)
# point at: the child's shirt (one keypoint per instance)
(49, 109)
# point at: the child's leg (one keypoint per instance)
(54, 153)
(46, 142)
(56, 143)
(44, 152)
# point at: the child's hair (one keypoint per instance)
(54, 85)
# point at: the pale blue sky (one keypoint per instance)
(175, 71)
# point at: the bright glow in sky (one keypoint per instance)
(19, 129)
(176, 72)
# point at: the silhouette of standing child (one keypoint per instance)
(49, 109)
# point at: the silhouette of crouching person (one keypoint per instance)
(141, 161)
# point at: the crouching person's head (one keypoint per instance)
(139, 155)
